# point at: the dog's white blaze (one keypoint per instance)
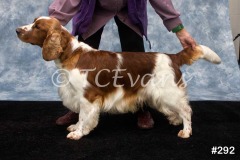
(27, 27)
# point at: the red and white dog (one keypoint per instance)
(103, 81)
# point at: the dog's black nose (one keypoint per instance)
(19, 30)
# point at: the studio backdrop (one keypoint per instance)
(24, 75)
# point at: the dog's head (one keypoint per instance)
(44, 32)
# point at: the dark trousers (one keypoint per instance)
(129, 39)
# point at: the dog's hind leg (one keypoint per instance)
(175, 119)
(172, 116)
(184, 111)
(88, 120)
(177, 109)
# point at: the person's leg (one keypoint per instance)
(69, 118)
(94, 42)
(129, 39)
(132, 42)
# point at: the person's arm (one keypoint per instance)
(64, 10)
(171, 20)
(165, 9)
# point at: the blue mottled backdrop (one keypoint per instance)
(24, 75)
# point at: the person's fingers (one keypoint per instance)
(193, 44)
(190, 42)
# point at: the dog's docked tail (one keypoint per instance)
(188, 56)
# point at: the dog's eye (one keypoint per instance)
(37, 27)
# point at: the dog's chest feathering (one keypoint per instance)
(72, 91)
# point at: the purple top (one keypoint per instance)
(64, 11)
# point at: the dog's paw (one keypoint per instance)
(184, 133)
(76, 135)
(72, 128)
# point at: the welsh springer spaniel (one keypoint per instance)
(104, 81)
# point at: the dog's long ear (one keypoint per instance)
(52, 45)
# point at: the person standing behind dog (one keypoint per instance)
(90, 16)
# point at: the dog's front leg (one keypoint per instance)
(88, 120)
